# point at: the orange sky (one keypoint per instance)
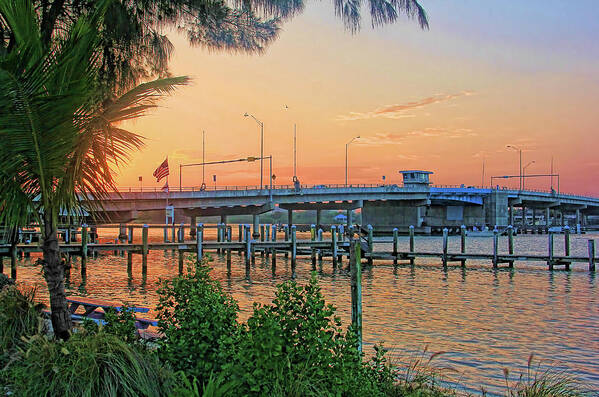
(483, 77)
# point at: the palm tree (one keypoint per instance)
(135, 47)
(58, 136)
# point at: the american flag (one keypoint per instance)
(161, 171)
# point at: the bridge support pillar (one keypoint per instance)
(578, 221)
(318, 219)
(534, 217)
(290, 218)
(561, 216)
(350, 218)
(223, 220)
(523, 214)
(193, 221)
(256, 226)
(547, 217)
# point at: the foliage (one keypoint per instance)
(59, 141)
(296, 346)
(121, 324)
(133, 45)
(20, 317)
(88, 365)
(5, 280)
(216, 386)
(538, 382)
(199, 323)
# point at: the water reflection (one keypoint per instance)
(484, 318)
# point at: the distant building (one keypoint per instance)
(416, 177)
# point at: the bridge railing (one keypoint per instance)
(131, 189)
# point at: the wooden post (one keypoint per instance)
(339, 239)
(240, 237)
(286, 229)
(567, 241)
(550, 249)
(395, 244)
(129, 263)
(266, 251)
(165, 232)
(274, 250)
(370, 244)
(83, 247)
(356, 289)
(200, 242)
(412, 245)
(567, 246)
(13, 261)
(313, 252)
(144, 249)
(293, 249)
(130, 234)
(445, 237)
(229, 238)
(591, 245)
(334, 245)
(510, 243)
(262, 237)
(181, 260)
(495, 247)
(116, 251)
(249, 253)
(173, 238)
(463, 243)
(319, 239)
(182, 232)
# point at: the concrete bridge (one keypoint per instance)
(383, 206)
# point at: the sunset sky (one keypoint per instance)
(487, 74)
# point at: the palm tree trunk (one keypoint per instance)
(54, 275)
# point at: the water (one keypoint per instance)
(484, 320)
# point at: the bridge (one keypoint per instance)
(384, 206)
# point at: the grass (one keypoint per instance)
(539, 382)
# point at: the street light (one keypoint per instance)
(520, 151)
(524, 173)
(346, 146)
(261, 145)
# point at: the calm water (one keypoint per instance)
(483, 320)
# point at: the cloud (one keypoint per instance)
(388, 138)
(399, 111)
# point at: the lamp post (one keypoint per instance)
(261, 124)
(346, 147)
(520, 151)
(524, 173)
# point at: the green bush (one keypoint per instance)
(296, 346)
(199, 323)
(20, 317)
(5, 280)
(98, 364)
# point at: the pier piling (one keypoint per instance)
(463, 243)
(591, 247)
(356, 289)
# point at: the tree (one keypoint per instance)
(59, 141)
(134, 46)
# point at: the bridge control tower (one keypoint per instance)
(413, 178)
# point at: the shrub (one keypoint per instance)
(88, 365)
(121, 324)
(5, 280)
(296, 346)
(20, 317)
(199, 323)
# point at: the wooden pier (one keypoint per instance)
(274, 242)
